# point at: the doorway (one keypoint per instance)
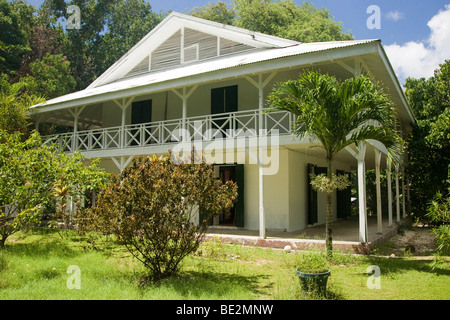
(227, 218)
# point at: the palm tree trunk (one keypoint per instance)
(329, 217)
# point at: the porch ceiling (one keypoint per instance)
(315, 150)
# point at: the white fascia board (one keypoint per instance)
(285, 62)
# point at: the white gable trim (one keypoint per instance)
(174, 23)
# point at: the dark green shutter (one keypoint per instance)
(312, 194)
(343, 199)
(312, 197)
(239, 206)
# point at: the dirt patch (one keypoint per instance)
(416, 241)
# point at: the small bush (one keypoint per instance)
(152, 208)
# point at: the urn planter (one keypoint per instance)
(314, 283)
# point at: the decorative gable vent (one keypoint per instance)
(167, 54)
(228, 47)
(206, 44)
(186, 46)
(142, 67)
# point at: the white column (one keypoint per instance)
(378, 191)
(403, 193)
(362, 192)
(123, 105)
(122, 163)
(184, 116)
(397, 192)
(76, 115)
(262, 218)
(260, 86)
(184, 96)
(389, 190)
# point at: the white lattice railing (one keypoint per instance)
(205, 128)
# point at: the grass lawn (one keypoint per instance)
(34, 266)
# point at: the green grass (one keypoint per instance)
(34, 266)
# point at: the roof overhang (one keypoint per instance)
(254, 62)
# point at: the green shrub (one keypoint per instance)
(152, 208)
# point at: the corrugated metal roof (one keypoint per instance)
(205, 66)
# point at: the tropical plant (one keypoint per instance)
(429, 142)
(313, 262)
(14, 105)
(29, 173)
(337, 114)
(152, 208)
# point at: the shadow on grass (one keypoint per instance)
(402, 265)
(214, 285)
(45, 247)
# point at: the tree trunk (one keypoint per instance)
(329, 216)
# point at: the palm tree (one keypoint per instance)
(337, 114)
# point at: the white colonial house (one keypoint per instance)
(195, 81)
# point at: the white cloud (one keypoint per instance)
(420, 59)
(394, 15)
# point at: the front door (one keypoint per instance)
(234, 216)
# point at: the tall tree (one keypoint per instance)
(337, 114)
(49, 76)
(215, 11)
(429, 143)
(128, 23)
(15, 19)
(14, 104)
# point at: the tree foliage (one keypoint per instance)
(50, 76)
(429, 143)
(29, 173)
(14, 104)
(283, 18)
(152, 207)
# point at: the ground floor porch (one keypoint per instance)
(345, 236)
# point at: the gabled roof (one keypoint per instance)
(250, 53)
(171, 32)
(134, 85)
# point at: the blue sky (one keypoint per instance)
(414, 48)
(414, 33)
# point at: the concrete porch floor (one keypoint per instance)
(345, 236)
